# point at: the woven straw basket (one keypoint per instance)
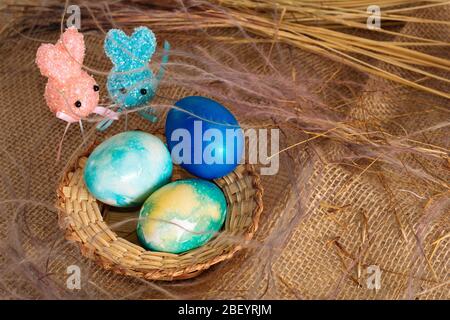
(83, 218)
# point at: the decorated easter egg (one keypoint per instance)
(204, 137)
(126, 168)
(181, 216)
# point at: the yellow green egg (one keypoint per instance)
(181, 216)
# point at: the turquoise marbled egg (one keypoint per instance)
(181, 216)
(126, 168)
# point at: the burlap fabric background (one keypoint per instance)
(349, 220)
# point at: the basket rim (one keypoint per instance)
(89, 251)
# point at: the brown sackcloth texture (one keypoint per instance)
(349, 220)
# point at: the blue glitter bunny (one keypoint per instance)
(131, 83)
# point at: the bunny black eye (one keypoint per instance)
(123, 90)
(143, 91)
(78, 104)
(96, 88)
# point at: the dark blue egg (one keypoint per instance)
(204, 137)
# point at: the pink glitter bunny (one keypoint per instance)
(70, 93)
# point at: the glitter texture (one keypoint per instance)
(67, 82)
(131, 73)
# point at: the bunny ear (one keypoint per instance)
(73, 43)
(44, 61)
(117, 46)
(63, 60)
(130, 52)
(54, 64)
(143, 42)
